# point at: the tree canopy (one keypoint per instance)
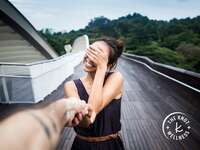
(175, 42)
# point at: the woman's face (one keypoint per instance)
(89, 66)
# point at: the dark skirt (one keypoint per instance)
(114, 144)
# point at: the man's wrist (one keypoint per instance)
(57, 110)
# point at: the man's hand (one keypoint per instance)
(40, 127)
(75, 110)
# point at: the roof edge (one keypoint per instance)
(12, 16)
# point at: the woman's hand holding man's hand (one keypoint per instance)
(76, 110)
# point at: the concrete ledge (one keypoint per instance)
(31, 83)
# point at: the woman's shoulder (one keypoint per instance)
(70, 89)
(114, 77)
(69, 85)
(116, 74)
(117, 78)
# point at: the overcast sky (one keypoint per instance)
(65, 15)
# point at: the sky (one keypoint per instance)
(67, 15)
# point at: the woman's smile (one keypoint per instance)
(89, 63)
(89, 66)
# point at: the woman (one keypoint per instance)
(101, 88)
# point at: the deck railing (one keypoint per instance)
(187, 78)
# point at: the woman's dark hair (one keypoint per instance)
(116, 49)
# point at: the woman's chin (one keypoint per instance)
(89, 69)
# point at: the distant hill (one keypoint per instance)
(175, 42)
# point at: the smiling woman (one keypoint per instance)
(101, 88)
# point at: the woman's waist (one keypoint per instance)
(94, 131)
(100, 138)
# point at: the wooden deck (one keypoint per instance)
(148, 98)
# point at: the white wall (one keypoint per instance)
(30, 83)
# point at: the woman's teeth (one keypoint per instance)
(88, 64)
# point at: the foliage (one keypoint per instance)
(191, 54)
(160, 54)
(175, 42)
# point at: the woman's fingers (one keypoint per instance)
(94, 48)
(97, 52)
(75, 121)
(91, 56)
(80, 116)
(97, 56)
(92, 117)
(93, 52)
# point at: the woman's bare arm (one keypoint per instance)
(101, 95)
(112, 88)
(96, 94)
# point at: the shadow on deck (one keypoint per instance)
(148, 98)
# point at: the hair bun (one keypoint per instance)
(120, 44)
(116, 45)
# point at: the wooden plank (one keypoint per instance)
(5, 43)
(147, 100)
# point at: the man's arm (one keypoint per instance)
(39, 128)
